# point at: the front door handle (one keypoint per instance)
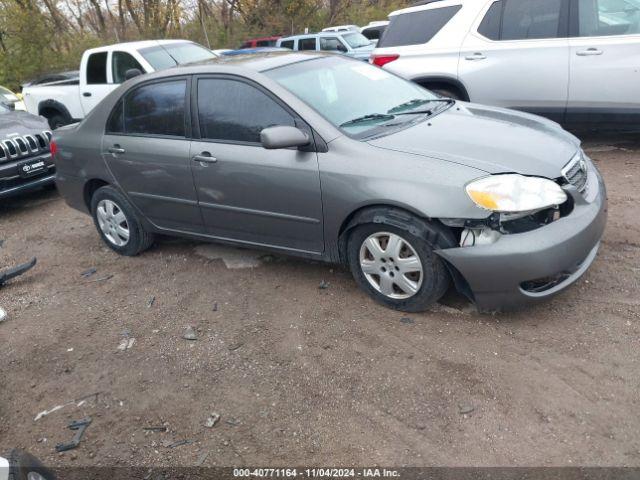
(204, 157)
(475, 56)
(589, 52)
(116, 150)
(86, 94)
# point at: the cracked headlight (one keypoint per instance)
(513, 193)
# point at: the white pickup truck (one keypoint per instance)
(102, 70)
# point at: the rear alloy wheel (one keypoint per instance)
(118, 222)
(113, 222)
(396, 268)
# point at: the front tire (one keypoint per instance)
(396, 268)
(56, 121)
(118, 223)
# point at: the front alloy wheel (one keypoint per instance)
(113, 222)
(396, 267)
(391, 265)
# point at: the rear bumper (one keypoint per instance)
(13, 183)
(562, 250)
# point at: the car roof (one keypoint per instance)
(139, 44)
(320, 34)
(257, 62)
(432, 4)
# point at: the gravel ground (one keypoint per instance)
(307, 376)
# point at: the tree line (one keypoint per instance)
(40, 36)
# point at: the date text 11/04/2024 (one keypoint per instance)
(315, 473)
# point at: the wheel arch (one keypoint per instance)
(48, 108)
(399, 216)
(90, 187)
(443, 82)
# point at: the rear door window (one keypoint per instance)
(416, 27)
(155, 109)
(97, 68)
(287, 44)
(525, 20)
(307, 44)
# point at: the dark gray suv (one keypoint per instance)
(328, 158)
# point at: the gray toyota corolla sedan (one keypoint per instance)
(329, 158)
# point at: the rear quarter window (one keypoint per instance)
(416, 27)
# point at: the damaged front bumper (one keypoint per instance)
(525, 268)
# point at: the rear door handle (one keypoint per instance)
(476, 56)
(86, 94)
(116, 150)
(589, 52)
(205, 157)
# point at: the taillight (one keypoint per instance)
(381, 60)
(53, 148)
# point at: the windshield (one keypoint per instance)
(344, 90)
(172, 54)
(356, 40)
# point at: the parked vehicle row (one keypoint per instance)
(102, 70)
(575, 61)
(326, 157)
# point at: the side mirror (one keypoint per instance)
(131, 73)
(283, 137)
(342, 48)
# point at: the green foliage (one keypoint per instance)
(40, 36)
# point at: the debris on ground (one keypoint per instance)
(201, 459)
(323, 285)
(88, 272)
(156, 429)
(179, 443)
(79, 426)
(151, 301)
(466, 408)
(215, 306)
(78, 403)
(14, 272)
(101, 279)
(212, 420)
(190, 334)
(235, 346)
(407, 320)
(232, 421)
(126, 344)
(3, 315)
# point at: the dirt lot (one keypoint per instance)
(308, 376)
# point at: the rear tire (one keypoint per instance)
(118, 223)
(396, 268)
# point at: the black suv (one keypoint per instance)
(25, 157)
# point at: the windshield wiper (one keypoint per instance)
(368, 118)
(416, 102)
(416, 112)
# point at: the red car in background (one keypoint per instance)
(261, 42)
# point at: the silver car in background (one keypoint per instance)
(328, 158)
(350, 43)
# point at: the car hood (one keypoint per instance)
(494, 140)
(22, 123)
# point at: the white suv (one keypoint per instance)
(575, 61)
